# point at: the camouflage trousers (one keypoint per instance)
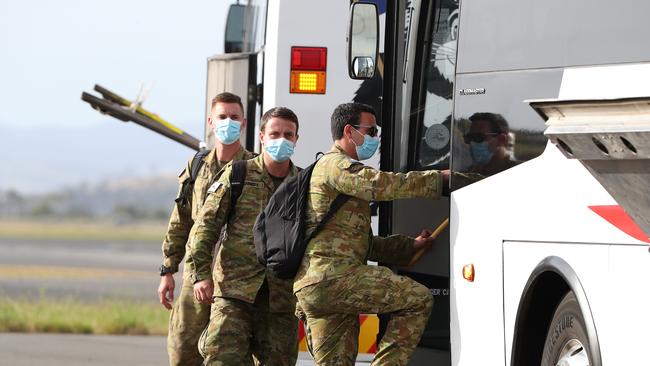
(331, 310)
(242, 334)
(187, 321)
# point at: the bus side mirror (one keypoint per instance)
(363, 40)
(234, 37)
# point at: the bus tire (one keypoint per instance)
(566, 340)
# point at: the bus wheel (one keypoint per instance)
(566, 340)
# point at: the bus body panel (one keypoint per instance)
(612, 278)
(568, 229)
(547, 199)
(525, 34)
(628, 319)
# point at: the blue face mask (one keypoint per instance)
(480, 152)
(227, 131)
(279, 149)
(368, 148)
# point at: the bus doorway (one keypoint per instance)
(425, 73)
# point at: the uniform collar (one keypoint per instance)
(337, 149)
(258, 166)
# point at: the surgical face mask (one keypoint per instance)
(368, 148)
(480, 152)
(227, 131)
(279, 149)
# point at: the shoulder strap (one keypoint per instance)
(335, 206)
(185, 196)
(237, 179)
(197, 163)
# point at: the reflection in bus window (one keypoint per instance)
(485, 144)
(433, 130)
(490, 144)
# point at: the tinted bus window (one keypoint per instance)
(432, 111)
(494, 130)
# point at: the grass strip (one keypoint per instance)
(81, 230)
(73, 316)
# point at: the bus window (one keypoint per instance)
(489, 144)
(431, 110)
(493, 132)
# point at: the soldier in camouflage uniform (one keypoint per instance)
(333, 284)
(252, 311)
(188, 318)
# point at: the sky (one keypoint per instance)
(51, 51)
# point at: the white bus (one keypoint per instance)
(541, 109)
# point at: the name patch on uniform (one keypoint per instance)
(213, 188)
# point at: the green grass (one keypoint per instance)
(81, 230)
(72, 316)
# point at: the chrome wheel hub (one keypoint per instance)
(573, 354)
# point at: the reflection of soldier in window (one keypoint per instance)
(490, 144)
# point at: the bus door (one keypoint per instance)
(418, 85)
(427, 77)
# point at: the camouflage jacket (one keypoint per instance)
(345, 242)
(237, 273)
(184, 214)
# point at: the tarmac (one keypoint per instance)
(87, 271)
(18, 349)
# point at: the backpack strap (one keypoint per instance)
(338, 202)
(237, 179)
(185, 197)
(197, 163)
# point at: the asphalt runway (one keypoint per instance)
(94, 350)
(88, 271)
(81, 350)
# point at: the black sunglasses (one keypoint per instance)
(372, 130)
(477, 137)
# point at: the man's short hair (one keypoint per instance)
(279, 112)
(226, 97)
(498, 124)
(348, 114)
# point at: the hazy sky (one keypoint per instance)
(52, 50)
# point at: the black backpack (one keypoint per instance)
(279, 230)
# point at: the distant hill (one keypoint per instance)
(127, 199)
(42, 160)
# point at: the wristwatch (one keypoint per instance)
(164, 270)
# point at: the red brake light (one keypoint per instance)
(308, 70)
(309, 58)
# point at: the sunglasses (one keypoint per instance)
(477, 137)
(372, 131)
